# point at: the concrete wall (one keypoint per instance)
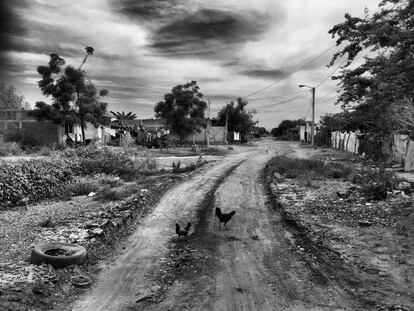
(409, 158)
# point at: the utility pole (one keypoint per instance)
(313, 118)
(313, 112)
(227, 125)
(208, 125)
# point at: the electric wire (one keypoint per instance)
(281, 95)
(295, 69)
(326, 78)
(282, 102)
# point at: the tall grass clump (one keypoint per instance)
(307, 168)
(124, 162)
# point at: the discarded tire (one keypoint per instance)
(58, 254)
(81, 281)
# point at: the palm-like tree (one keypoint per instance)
(122, 116)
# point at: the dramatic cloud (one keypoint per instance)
(143, 48)
(151, 10)
(208, 32)
(266, 73)
(11, 28)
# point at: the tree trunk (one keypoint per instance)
(83, 129)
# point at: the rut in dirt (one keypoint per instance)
(128, 275)
(253, 265)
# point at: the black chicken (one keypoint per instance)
(224, 217)
(182, 232)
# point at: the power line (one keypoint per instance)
(282, 95)
(282, 102)
(326, 95)
(324, 80)
(296, 69)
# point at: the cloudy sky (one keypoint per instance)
(259, 49)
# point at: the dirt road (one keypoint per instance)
(252, 265)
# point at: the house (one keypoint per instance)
(47, 133)
(158, 127)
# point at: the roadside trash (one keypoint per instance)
(58, 254)
(91, 194)
(81, 280)
(364, 223)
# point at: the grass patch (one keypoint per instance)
(82, 187)
(307, 169)
(116, 194)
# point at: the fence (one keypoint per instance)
(399, 147)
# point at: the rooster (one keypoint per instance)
(224, 217)
(182, 232)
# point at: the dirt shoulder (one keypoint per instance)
(372, 241)
(99, 226)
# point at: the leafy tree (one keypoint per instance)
(8, 97)
(75, 99)
(284, 126)
(239, 119)
(259, 131)
(385, 80)
(183, 109)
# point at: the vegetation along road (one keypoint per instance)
(249, 265)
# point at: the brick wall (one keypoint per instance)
(44, 133)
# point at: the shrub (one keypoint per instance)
(34, 179)
(90, 160)
(10, 148)
(376, 182)
(45, 151)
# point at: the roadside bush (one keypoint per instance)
(91, 160)
(376, 182)
(10, 148)
(34, 180)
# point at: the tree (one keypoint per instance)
(75, 99)
(259, 131)
(239, 119)
(183, 109)
(122, 116)
(8, 97)
(385, 79)
(284, 126)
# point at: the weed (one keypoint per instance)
(308, 169)
(115, 194)
(184, 169)
(82, 187)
